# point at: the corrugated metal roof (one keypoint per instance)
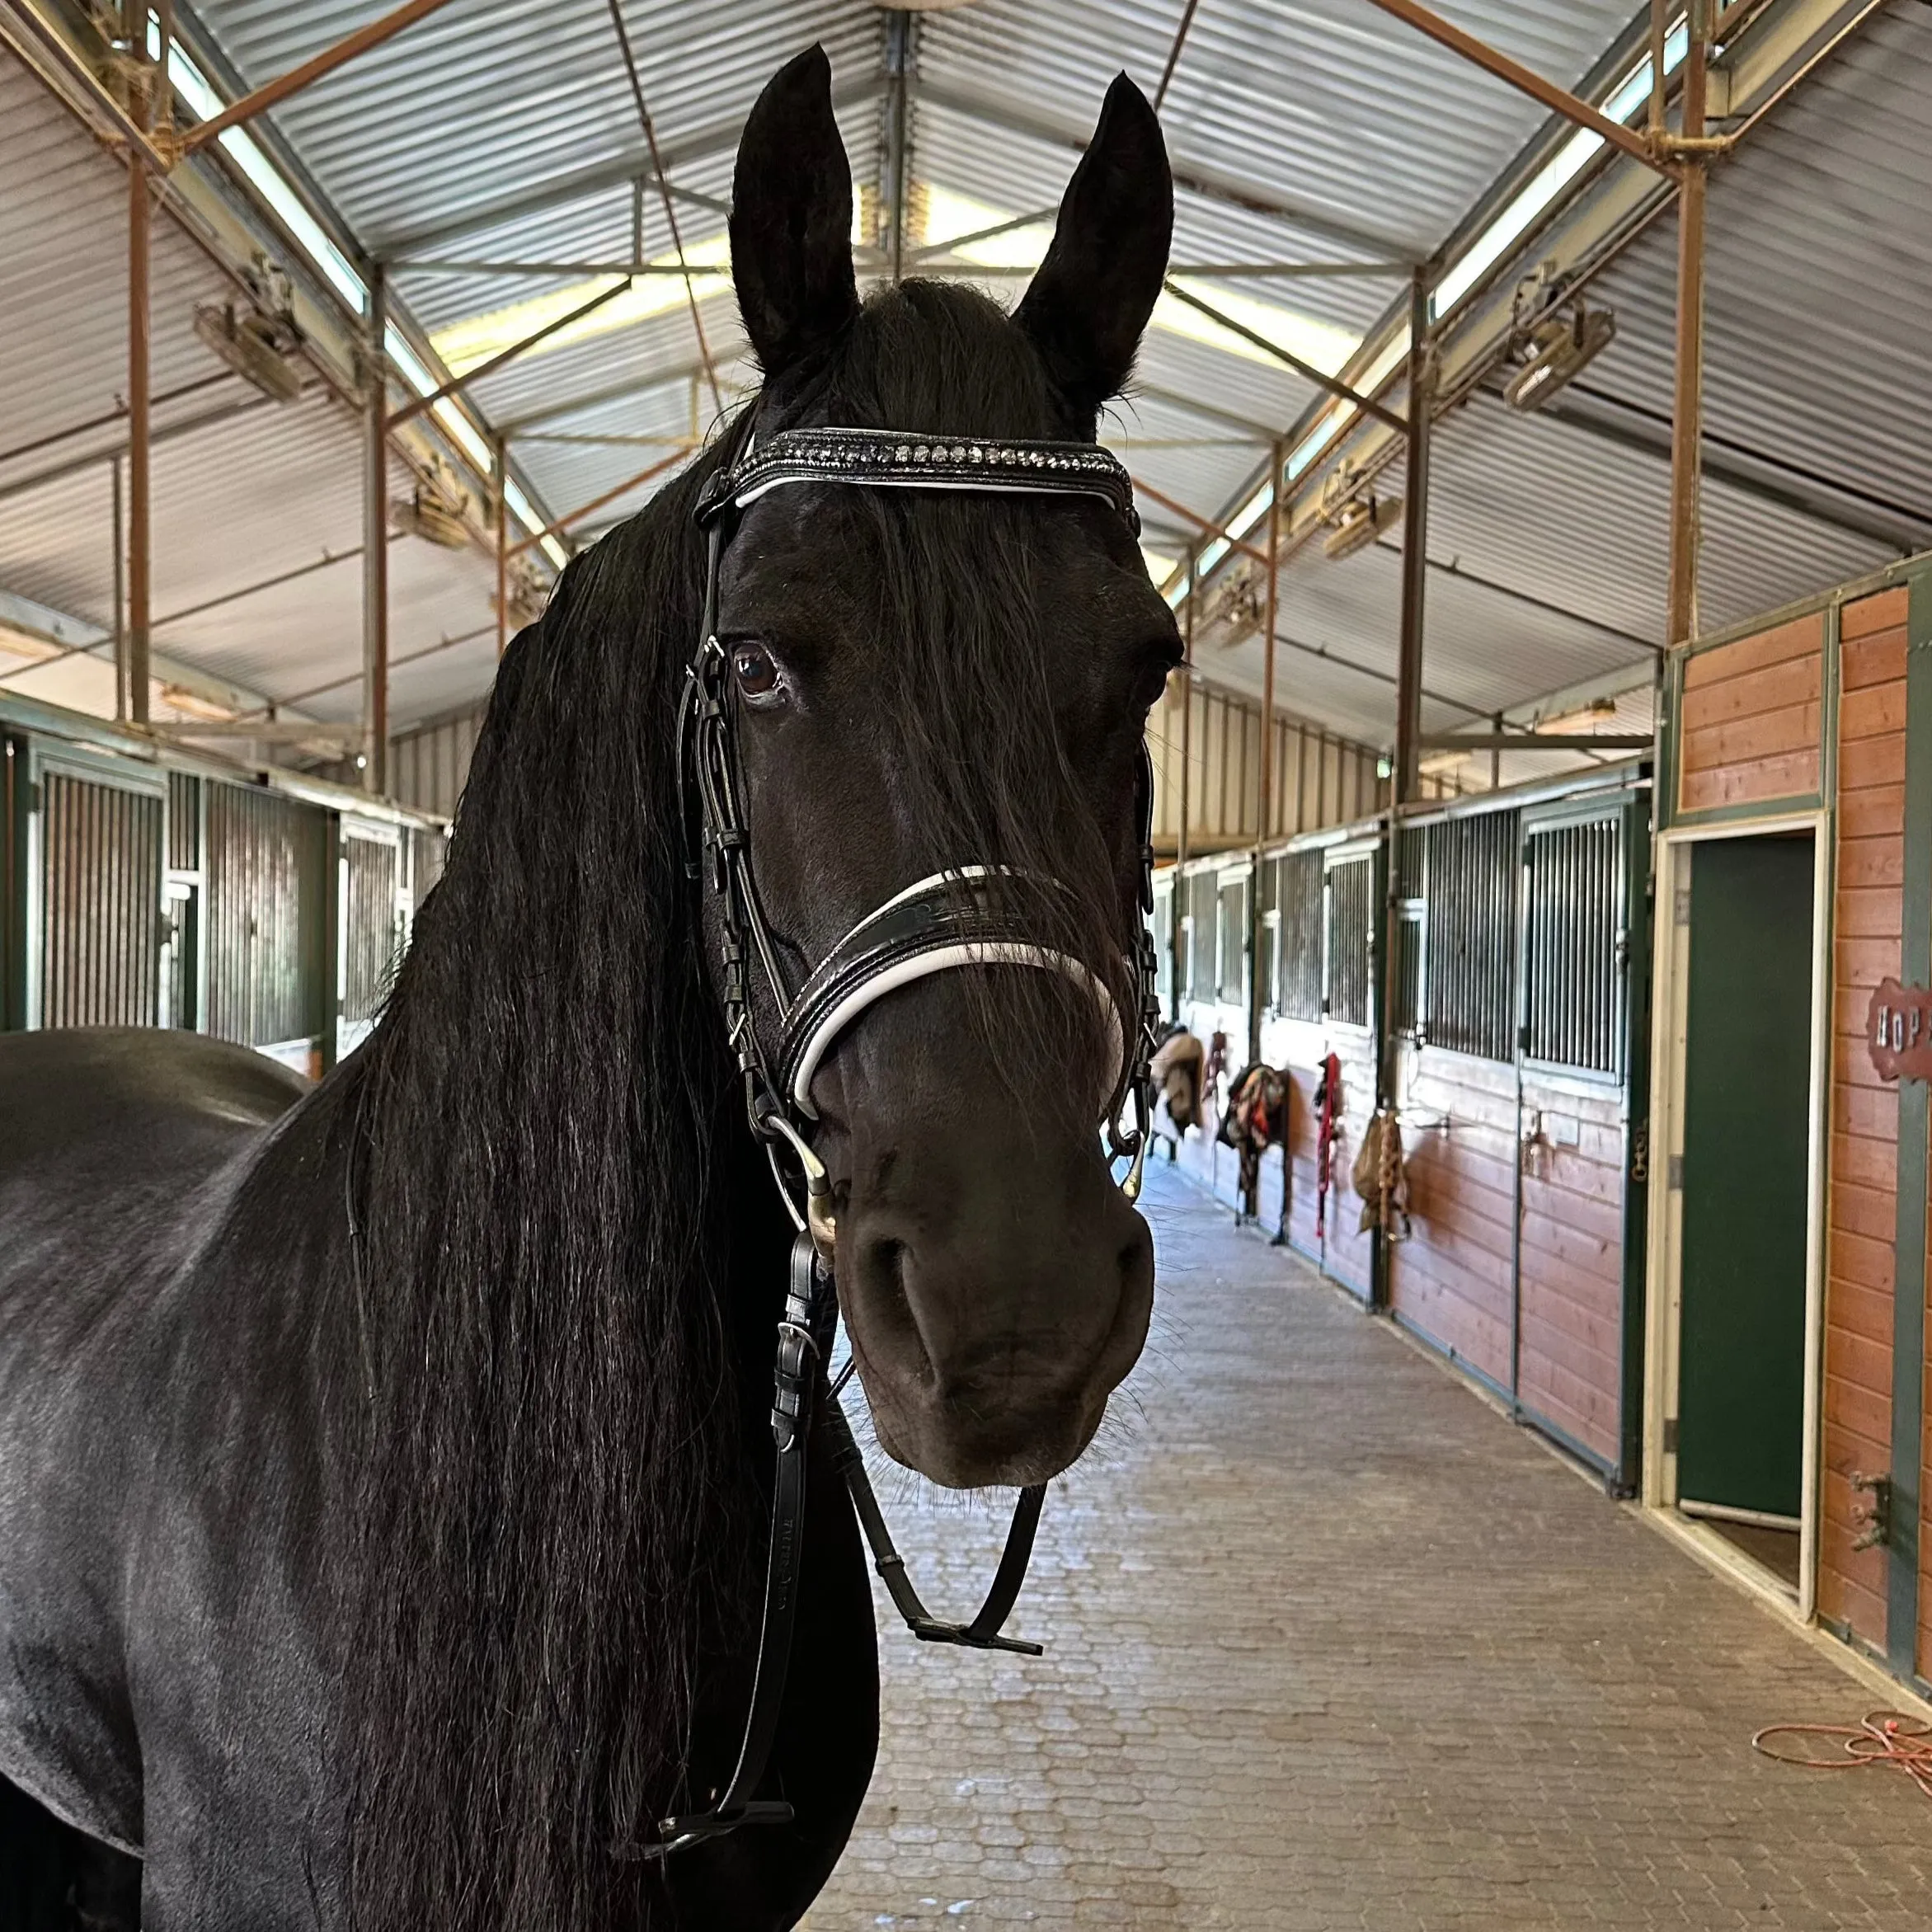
(63, 309)
(503, 131)
(1818, 368)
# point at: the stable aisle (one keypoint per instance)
(1330, 1644)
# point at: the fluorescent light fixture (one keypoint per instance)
(1210, 557)
(1251, 512)
(247, 153)
(1339, 416)
(1550, 180)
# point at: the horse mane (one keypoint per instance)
(556, 1499)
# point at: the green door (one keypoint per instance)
(1747, 1094)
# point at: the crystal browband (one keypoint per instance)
(897, 460)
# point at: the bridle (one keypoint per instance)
(965, 916)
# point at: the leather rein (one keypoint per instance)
(962, 917)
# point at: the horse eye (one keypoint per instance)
(752, 666)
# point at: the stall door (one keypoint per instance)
(1353, 885)
(371, 926)
(94, 955)
(1746, 1102)
(1576, 1328)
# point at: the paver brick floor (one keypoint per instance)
(1331, 1644)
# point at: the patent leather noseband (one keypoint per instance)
(970, 915)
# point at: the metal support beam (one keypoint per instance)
(596, 503)
(1320, 377)
(1206, 525)
(896, 159)
(299, 78)
(410, 411)
(1557, 99)
(1265, 784)
(499, 479)
(1415, 543)
(1687, 408)
(581, 270)
(140, 586)
(1496, 741)
(119, 511)
(375, 546)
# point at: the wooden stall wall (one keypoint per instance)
(1453, 1279)
(1861, 1224)
(1569, 1351)
(1748, 719)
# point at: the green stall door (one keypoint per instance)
(1740, 1392)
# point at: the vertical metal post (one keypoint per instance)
(1175, 934)
(1496, 753)
(500, 493)
(1415, 546)
(1265, 782)
(901, 39)
(1660, 26)
(140, 213)
(375, 544)
(120, 594)
(1687, 411)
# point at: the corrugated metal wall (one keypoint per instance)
(371, 932)
(1316, 779)
(267, 873)
(101, 848)
(428, 767)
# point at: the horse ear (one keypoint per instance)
(1087, 307)
(792, 217)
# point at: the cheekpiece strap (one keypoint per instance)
(895, 459)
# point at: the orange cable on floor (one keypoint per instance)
(1887, 1739)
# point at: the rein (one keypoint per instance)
(953, 919)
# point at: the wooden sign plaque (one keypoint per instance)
(1898, 1031)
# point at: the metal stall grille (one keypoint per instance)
(1298, 894)
(1198, 904)
(1231, 941)
(100, 914)
(372, 934)
(267, 872)
(1465, 871)
(427, 850)
(183, 822)
(1160, 926)
(1574, 939)
(1351, 915)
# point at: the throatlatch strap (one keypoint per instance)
(800, 1337)
(983, 1632)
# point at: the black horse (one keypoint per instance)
(384, 1467)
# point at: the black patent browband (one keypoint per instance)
(895, 459)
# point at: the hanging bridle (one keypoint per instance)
(962, 917)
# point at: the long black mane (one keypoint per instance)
(557, 1503)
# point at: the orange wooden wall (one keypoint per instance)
(1748, 727)
(1867, 916)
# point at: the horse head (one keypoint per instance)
(934, 684)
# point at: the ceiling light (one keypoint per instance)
(1358, 523)
(1557, 349)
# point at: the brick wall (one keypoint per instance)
(1861, 1225)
